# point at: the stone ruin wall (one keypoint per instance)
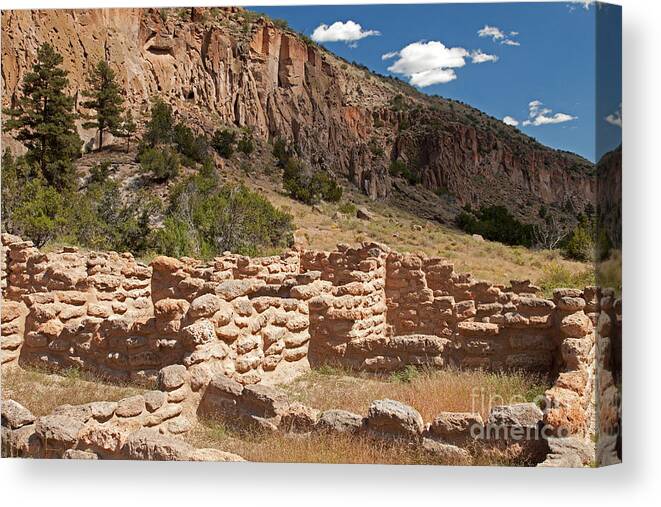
(256, 319)
(264, 320)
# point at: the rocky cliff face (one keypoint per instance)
(224, 67)
(609, 195)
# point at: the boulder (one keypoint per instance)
(568, 452)
(525, 415)
(339, 421)
(298, 418)
(364, 214)
(455, 427)
(446, 454)
(264, 401)
(103, 410)
(576, 325)
(154, 400)
(15, 415)
(394, 419)
(102, 437)
(57, 431)
(149, 444)
(82, 413)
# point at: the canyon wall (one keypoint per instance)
(221, 67)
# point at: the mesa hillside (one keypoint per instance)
(222, 242)
(232, 67)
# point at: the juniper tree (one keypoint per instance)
(44, 119)
(159, 128)
(106, 100)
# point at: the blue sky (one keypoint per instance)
(545, 68)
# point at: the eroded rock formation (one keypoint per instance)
(219, 67)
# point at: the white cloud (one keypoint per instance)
(340, 31)
(491, 31)
(539, 115)
(432, 77)
(478, 56)
(497, 35)
(390, 55)
(508, 120)
(586, 4)
(616, 117)
(427, 63)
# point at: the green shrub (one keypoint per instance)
(223, 142)
(496, 223)
(281, 151)
(190, 145)
(329, 190)
(159, 128)
(246, 144)
(99, 173)
(175, 238)
(282, 24)
(309, 187)
(205, 219)
(101, 218)
(557, 276)
(348, 208)
(399, 169)
(162, 163)
(38, 217)
(580, 245)
(406, 375)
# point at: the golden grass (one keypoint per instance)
(428, 391)
(41, 392)
(333, 448)
(393, 226)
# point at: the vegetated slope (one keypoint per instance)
(231, 67)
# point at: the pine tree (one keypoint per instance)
(44, 119)
(127, 128)
(106, 100)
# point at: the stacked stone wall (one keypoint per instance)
(265, 320)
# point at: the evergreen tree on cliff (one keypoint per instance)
(127, 128)
(106, 100)
(44, 119)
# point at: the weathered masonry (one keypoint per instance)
(265, 320)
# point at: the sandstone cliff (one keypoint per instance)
(609, 195)
(230, 67)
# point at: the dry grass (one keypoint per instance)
(428, 391)
(41, 391)
(393, 226)
(333, 448)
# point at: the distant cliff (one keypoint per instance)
(231, 67)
